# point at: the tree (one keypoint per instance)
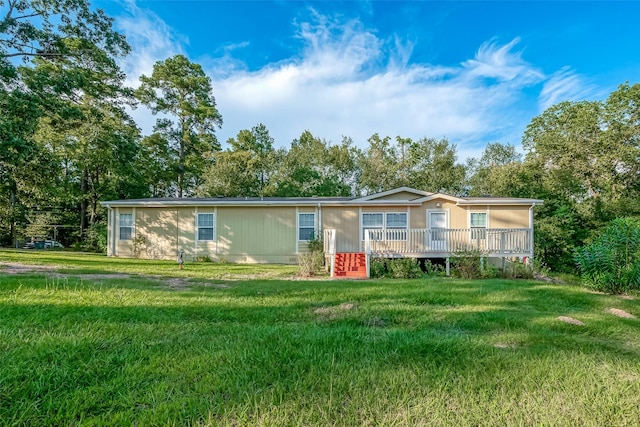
(67, 50)
(313, 167)
(181, 89)
(379, 165)
(246, 168)
(496, 172)
(433, 166)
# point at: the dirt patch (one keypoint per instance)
(621, 313)
(626, 297)
(15, 268)
(505, 345)
(334, 312)
(570, 320)
(548, 279)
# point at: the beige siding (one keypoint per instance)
(160, 229)
(369, 209)
(509, 217)
(457, 214)
(257, 234)
(347, 225)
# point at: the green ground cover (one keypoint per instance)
(91, 349)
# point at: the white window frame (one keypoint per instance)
(395, 227)
(370, 227)
(301, 227)
(384, 225)
(122, 226)
(212, 227)
(474, 231)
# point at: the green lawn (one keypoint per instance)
(93, 350)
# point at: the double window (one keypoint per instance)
(125, 223)
(478, 224)
(206, 226)
(306, 226)
(394, 224)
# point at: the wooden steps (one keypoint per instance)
(351, 265)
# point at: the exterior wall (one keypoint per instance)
(509, 217)
(257, 235)
(346, 222)
(457, 214)
(160, 227)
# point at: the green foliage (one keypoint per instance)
(397, 268)
(96, 238)
(404, 268)
(517, 270)
(181, 90)
(467, 264)
(377, 268)
(611, 263)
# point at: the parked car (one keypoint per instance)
(48, 244)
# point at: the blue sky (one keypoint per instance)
(473, 72)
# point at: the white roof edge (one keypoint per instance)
(159, 204)
(434, 196)
(393, 191)
(354, 202)
(490, 201)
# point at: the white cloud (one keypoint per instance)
(346, 80)
(564, 85)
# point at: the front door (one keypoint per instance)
(437, 240)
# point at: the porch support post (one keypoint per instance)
(447, 266)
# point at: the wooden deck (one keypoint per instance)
(440, 243)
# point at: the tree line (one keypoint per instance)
(67, 142)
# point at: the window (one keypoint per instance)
(205, 226)
(390, 222)
(478, 223)
(394, 222)
(126, 226)
(371, 221)
(306, 226)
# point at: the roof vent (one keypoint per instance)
(315, 196)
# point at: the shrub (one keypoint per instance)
(310, 263)
(517, 270)
(95, 239)
(399, 268)
(611, 263)
(377, 268)
(404, 268)
(431, 269)
(467, 263)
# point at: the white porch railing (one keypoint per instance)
(491, 241)
(329, 239)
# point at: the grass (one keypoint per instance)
(85, 263)
(76, 350)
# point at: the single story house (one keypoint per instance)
(403, 222)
